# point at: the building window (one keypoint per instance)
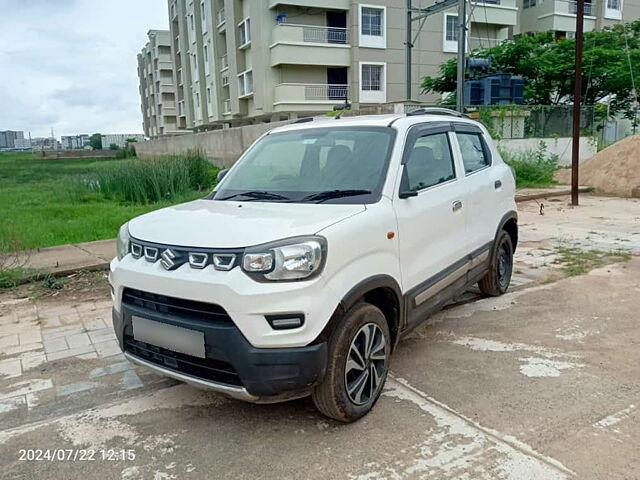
(245, 83)
(612, 10)
(450, 37)
(372, 21)
(192, 25)
(194, 67)
(452, 29)
(206, 59)
(203, 17)
(372, 77)
(372, 26)
(209, 96)
(528, 3)
(244, 28)
(372, 82)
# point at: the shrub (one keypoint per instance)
(534, 168)
(150, 181)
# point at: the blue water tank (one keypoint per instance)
(494, 90)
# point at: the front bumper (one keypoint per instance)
(232, 365)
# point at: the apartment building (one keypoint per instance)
(243, 61)
(75, 142)
(120, 139)
(157, 88)
(8, 139)
(560, 15)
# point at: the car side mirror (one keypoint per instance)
(221, 174)
(408, 194)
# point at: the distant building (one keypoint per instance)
(75, 142)
(22, 144)
(8, 138)
(157, 89)
(120, 139)
(45, 143)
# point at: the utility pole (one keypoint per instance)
(421, 15)
(577, 99)
(409, 47)
(462, 49)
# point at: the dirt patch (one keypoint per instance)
(75, 288)
(614, 170)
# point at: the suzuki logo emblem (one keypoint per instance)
(167, 259)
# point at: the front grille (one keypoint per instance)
(180, 307)
(205, 368)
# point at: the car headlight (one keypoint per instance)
(295, 258)
(122, 244)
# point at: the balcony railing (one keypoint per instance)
(221, 16)
(314, 34)
(588, 10)
(226, 106)
(224, 62)
(310, 92)
(224, 80)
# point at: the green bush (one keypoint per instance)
(148, 181)
(534, 168)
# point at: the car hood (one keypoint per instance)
(229, 224)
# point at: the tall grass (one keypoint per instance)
(149, 181)
(534, 168)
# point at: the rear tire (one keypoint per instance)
(359, 351)
(496, 281)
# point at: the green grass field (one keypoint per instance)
(43, 202)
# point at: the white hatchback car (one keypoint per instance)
(326, 242)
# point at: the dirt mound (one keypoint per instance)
(614, 170)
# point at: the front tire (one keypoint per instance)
(496, 281)
(358, 364)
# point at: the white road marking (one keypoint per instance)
(546, 364)
(614, 418)
(460, 448)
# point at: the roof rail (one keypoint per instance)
(304, 120)
(436, 111)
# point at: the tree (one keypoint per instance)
(95, 141)
(547, 64)
(113, 146)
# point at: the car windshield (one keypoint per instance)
(319, 165)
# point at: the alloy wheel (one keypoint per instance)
(366, 363)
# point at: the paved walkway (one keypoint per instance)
(65, 259)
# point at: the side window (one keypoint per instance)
(474, 153)
(430, 162)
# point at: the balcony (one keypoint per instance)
(588, 8)
(226, 106)
(221, 18)
(224, 62)
(181, 111)
(310, 45)
(324, 4)
(495, 12)
(308, 96)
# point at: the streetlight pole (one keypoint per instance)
(462, 48)
(577, 99)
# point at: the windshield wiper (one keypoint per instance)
(329, 194)
(257, 195)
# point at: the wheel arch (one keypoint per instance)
(382, 291)
(509, 223)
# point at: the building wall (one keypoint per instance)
(120, 139)
(156, 85)
(289, 61)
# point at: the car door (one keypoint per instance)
(482, 184)
(430, 214)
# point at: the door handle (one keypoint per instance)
(497, 184)
(457, 205)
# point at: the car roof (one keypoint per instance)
(397, 120)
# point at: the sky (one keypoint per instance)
(71, 65)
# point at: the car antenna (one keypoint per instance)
(342, 108)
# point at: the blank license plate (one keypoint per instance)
(177, 339)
